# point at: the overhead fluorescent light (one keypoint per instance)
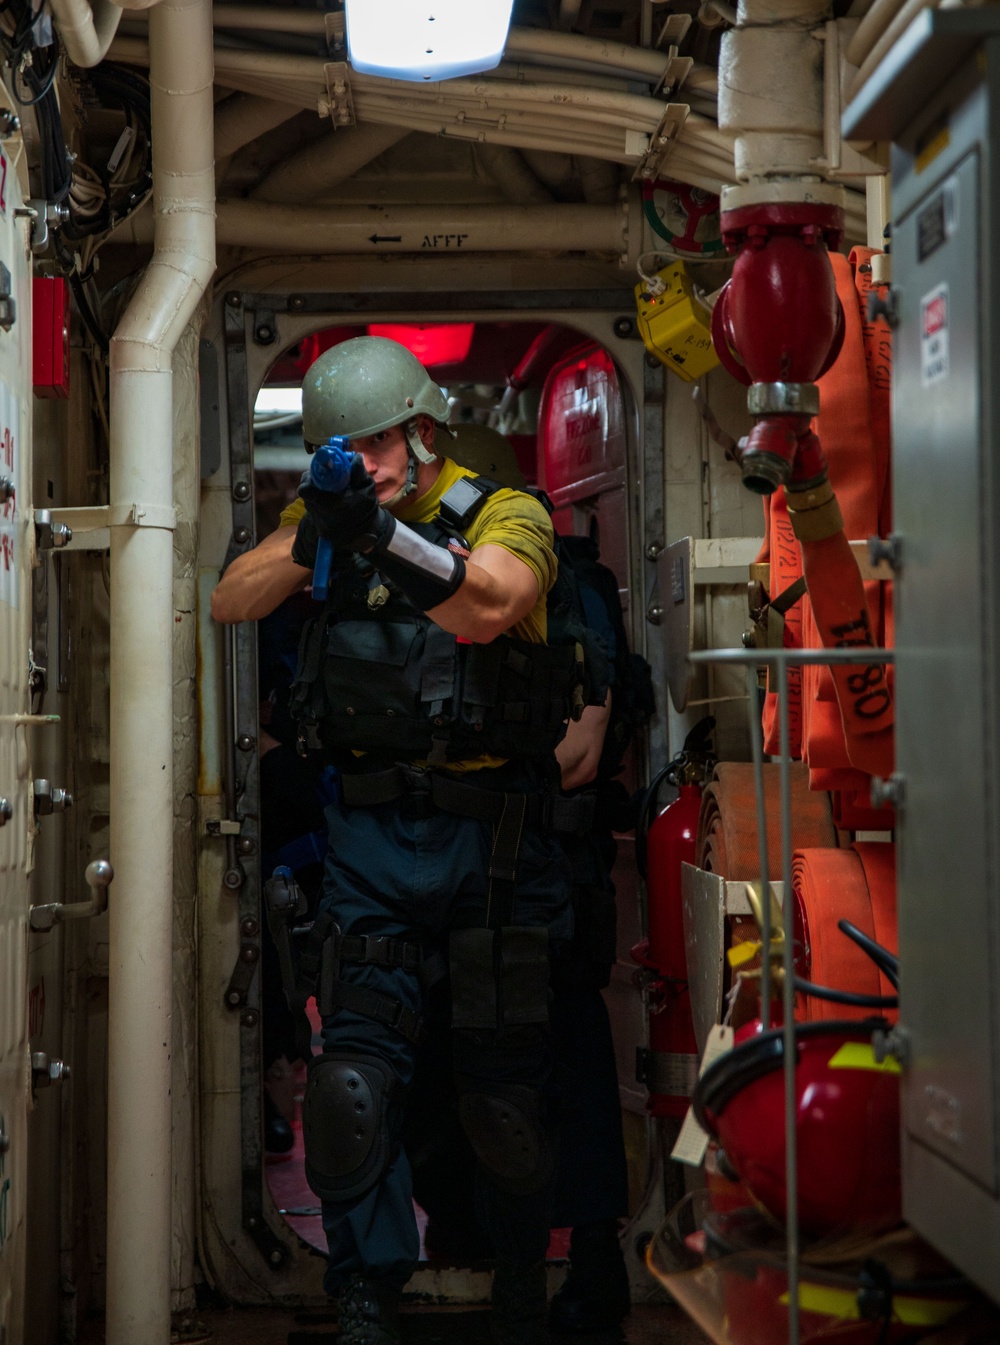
(426, 39)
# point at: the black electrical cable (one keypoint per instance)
(845, 996)
(86, 312)
(115, 86)
(886, 962)
(67, 264)
(44, 85)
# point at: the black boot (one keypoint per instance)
(369, 1312)
(519, 1299)
(594, 1296)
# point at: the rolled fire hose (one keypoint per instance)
(858, 885)
(727, 825)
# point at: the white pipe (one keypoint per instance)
(609, 107)
(530, 72)
(481, 92)
(726, 12)
(771, 97)
(771, 100)
(893, 32)
(457, 228)
(86, 33)
(277, 20)
(871, 28)
(245, 117)
(560, 47)
(516, 114)
(323, 165)
(139, 1029)
(512, 175)
(522, 43)
(568, 119)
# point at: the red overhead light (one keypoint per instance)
(432, 342)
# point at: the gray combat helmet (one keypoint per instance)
(364, 385)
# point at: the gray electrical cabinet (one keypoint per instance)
(937, 98)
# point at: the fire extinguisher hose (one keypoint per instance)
(727, 826)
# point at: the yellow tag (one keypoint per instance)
(843, 1304)
(859, 1055)
(743, 952)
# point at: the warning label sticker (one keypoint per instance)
(934, 336)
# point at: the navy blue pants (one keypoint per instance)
(592, 1182)
(417, 878)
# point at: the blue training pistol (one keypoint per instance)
(329, 470)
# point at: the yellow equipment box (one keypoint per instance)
(676, 325)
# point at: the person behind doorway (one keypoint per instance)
(426, 678)
(591, 1188)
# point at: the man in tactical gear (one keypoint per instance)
(427, 680)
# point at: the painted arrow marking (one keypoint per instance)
(385, 238)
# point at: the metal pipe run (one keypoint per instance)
(886, 40)
(757, 752)
(245, 117)
(327, 162)
(430, 230)
(142, 622)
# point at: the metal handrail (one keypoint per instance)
(781, 660)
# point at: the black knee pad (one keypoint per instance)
(508, 1136)
(345, 1124)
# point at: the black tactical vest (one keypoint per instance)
(377, 675)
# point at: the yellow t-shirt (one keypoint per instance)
(510, 519)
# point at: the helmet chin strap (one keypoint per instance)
(416, 454)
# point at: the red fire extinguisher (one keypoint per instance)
(669, 1067)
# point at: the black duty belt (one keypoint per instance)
(571, 816)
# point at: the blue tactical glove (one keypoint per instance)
(349, 519)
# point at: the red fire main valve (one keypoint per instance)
(778, 326)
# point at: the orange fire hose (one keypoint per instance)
(727, 826)
(853, 426)
(840, 610)
(785, 561)
(857, 885)
(879, 862)
(841, 607)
